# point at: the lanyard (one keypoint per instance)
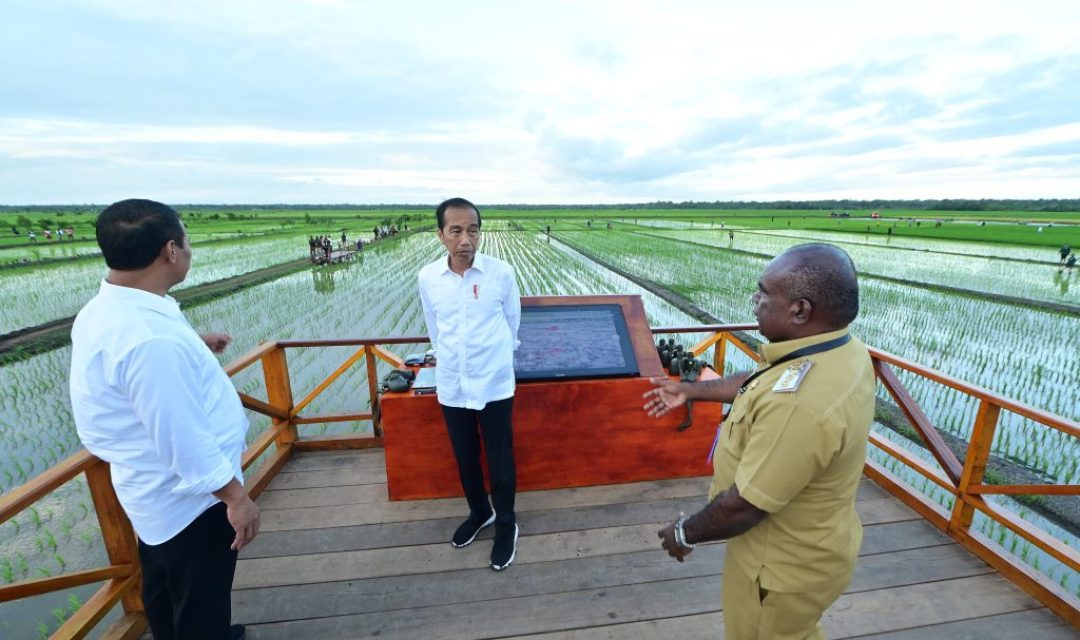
(820, 347)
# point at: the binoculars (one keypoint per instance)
(678, 361)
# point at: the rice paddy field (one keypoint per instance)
(939, 302)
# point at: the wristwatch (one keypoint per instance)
(680, 535)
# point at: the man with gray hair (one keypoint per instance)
(788, 458)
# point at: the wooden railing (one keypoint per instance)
(963, 479)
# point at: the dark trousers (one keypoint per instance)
(498, 434)
(188, 579)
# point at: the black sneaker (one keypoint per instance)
(236, 632)
(466, 533)
(504, 549)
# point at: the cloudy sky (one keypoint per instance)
(330, 101)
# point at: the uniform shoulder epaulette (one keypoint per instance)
(792, 377)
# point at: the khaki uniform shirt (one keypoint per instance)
(798, 455)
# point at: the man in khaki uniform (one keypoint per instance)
(789, 455)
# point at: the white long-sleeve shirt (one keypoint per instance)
(150, 399)
(472, 321)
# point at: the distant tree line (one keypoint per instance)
(1048, 205)
(952, 204)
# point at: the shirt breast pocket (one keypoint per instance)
(735, 430)
(487, 305)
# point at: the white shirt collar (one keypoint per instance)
(478, 263)
(140, 297)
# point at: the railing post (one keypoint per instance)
(373, 390)
(279, 391)
(120, 541)
(982, 436)
(720, 353)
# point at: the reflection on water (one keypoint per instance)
(326, 277)
(322, 279)
(1062, 280)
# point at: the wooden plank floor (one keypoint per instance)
(335, 559)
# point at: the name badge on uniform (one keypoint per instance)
(792, 377)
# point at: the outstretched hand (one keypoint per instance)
(216, 341)
(667, 395)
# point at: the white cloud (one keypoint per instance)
(538, 101)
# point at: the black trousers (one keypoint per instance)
(187, 581)
(493, 423)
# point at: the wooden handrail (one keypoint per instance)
(249, 358)
(27, 494)
(707, 328)
(1025, 489)
(1038, 415)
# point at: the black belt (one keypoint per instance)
(820, 347)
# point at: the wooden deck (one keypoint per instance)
(335, 559)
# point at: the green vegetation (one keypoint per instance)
(250, 278)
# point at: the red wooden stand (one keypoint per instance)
(570, 433)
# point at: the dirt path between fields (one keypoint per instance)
(22, 344)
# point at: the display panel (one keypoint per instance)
(573, 341)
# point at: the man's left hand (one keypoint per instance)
(667, 541)
(216, 341)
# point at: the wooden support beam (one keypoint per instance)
(325, 384)
(388, 357)
(259, 480)
(333, 417)
(1007, 518)
(338, 442)
(719, 363)
(83, 621)
(931, 511)
(262, 443)
(373, 394)
(279, 390)
(32, 588)
(982, 435)
(116, 531)
(933, 440)
(130, 626)
(932, 474)
(259, 406)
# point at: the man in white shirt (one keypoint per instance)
(473, 309)
(150, 399)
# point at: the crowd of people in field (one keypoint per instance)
(50, 235)
(322, 247)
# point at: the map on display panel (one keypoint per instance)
(573, 341)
